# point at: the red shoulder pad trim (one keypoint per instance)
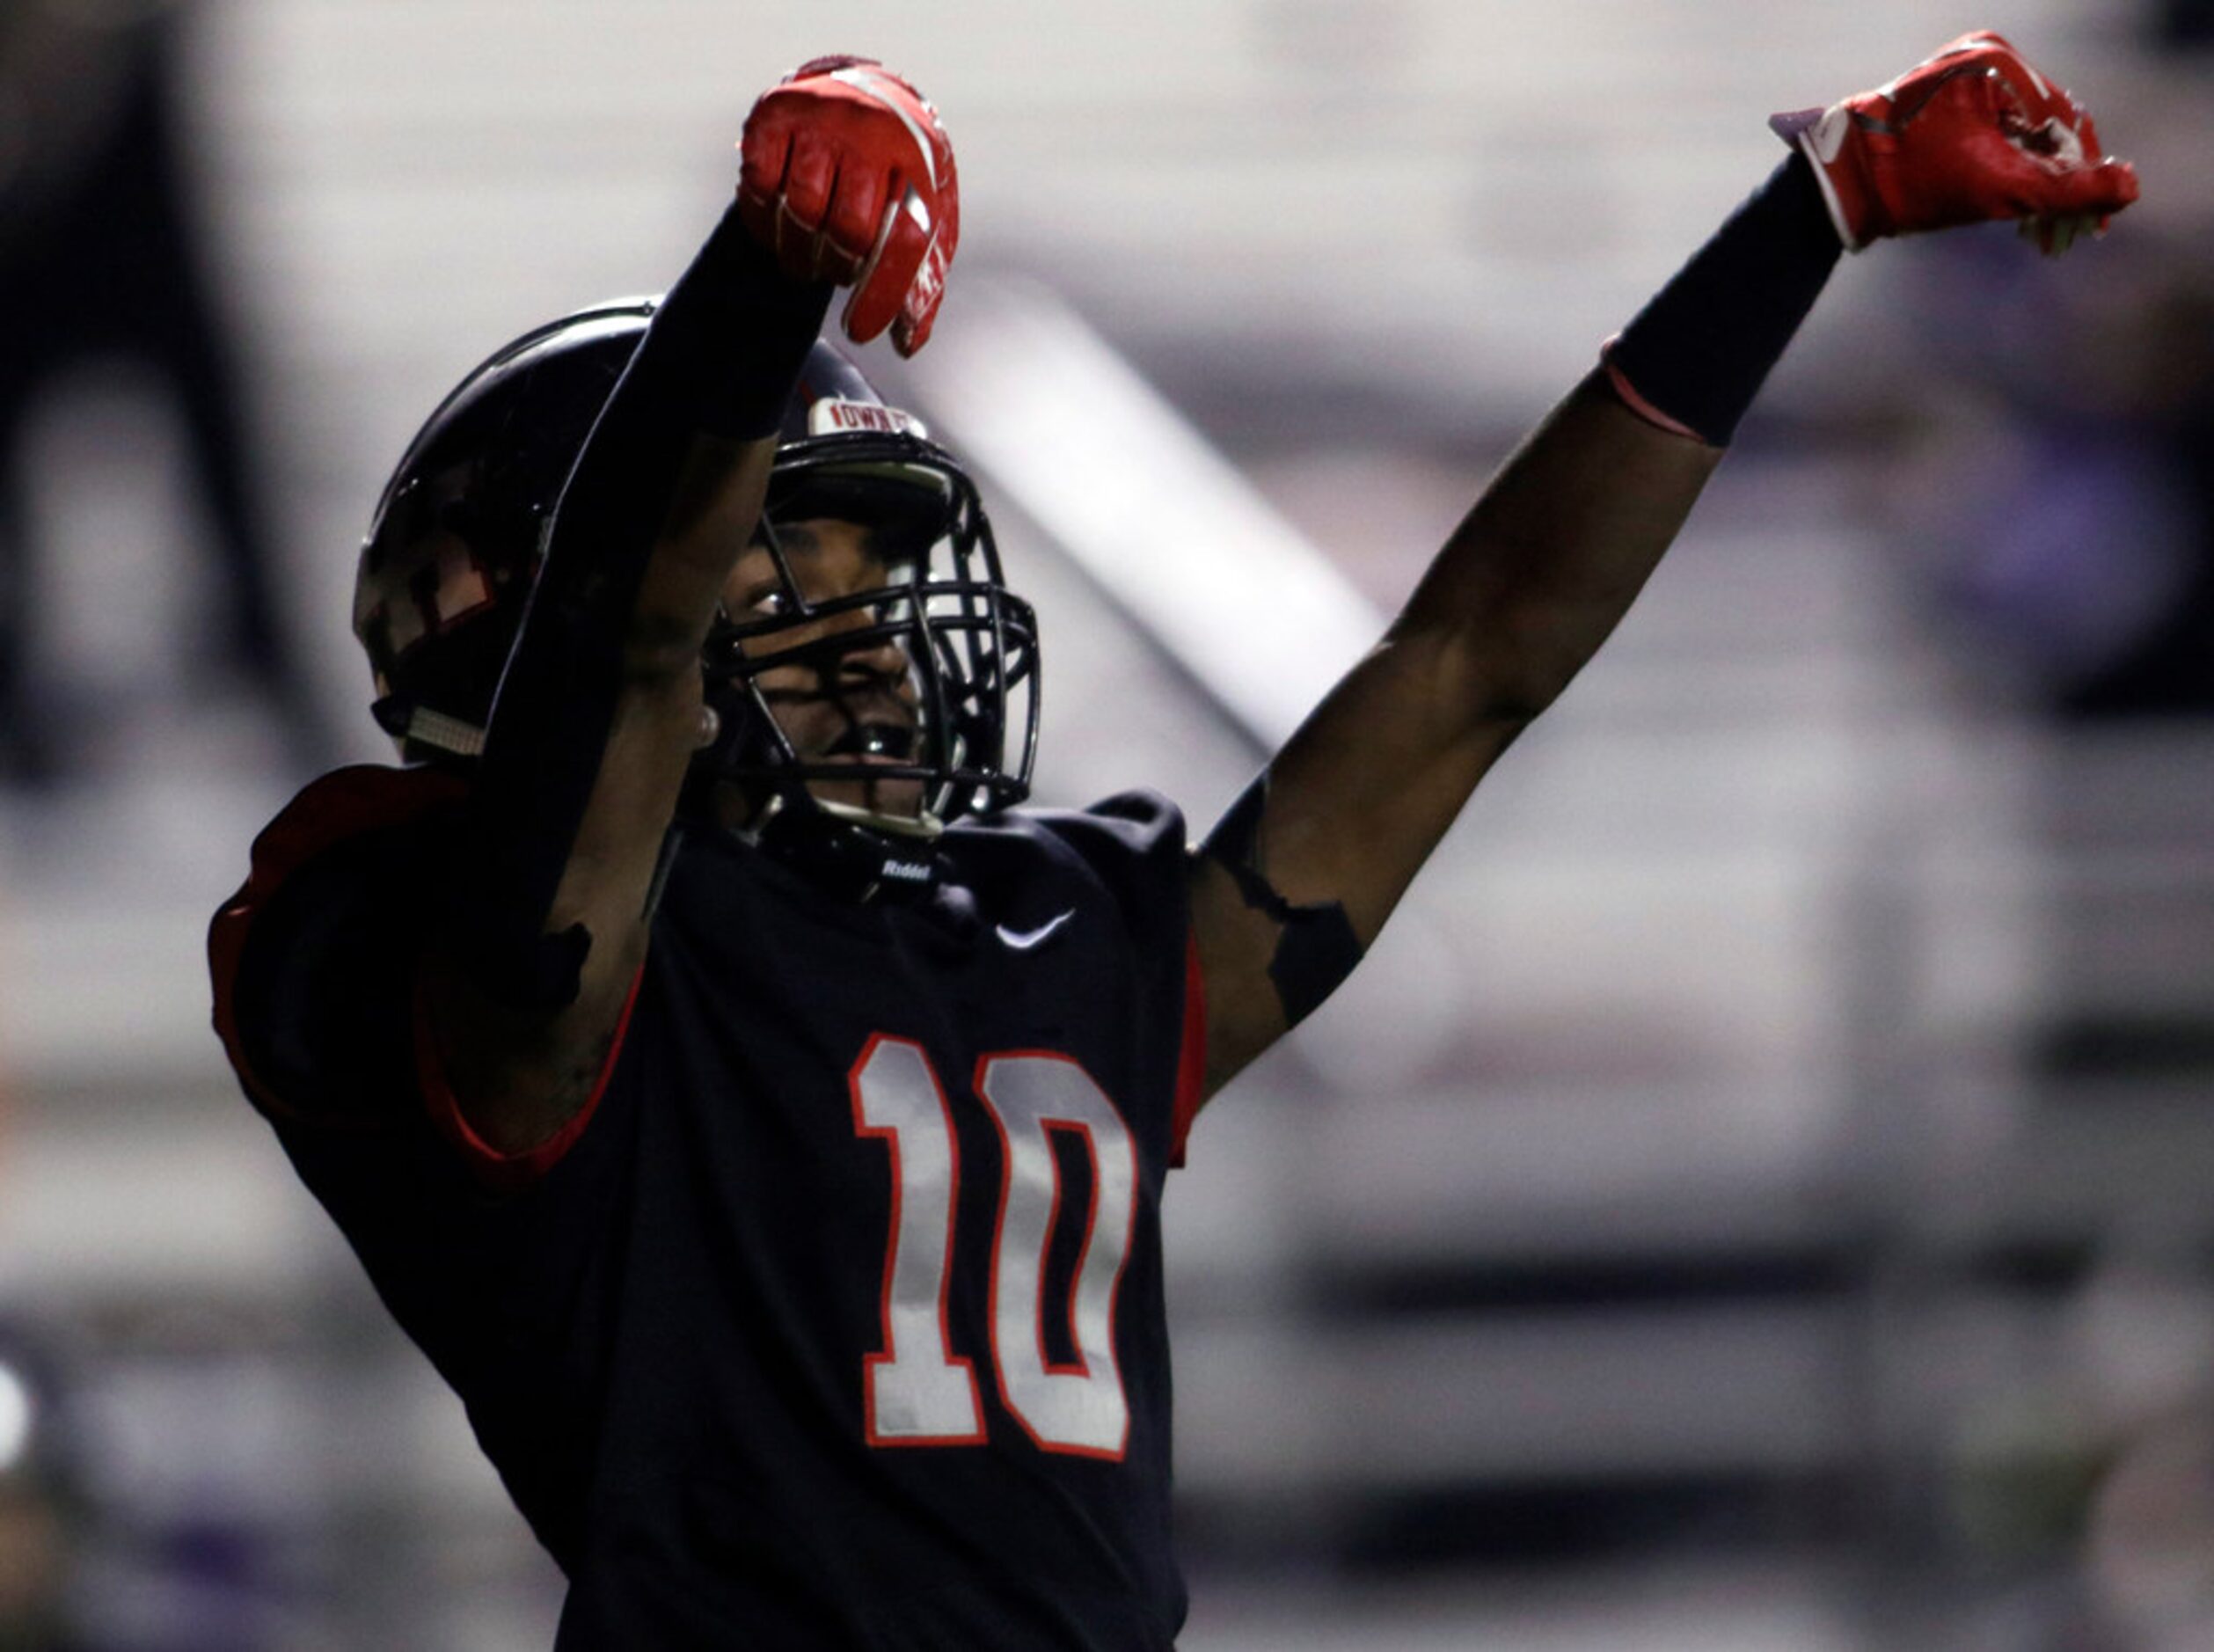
(505, 1172)
(1191, 1056)
(343, 804)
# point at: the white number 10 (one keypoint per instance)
(917, 1391)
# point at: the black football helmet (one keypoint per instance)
(448, 565)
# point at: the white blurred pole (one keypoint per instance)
(1125, 485)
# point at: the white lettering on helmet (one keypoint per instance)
(832, 416)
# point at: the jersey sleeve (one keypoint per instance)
(314, 967)
(1136, 844)
(312, 960)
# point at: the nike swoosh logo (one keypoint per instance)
(1023, 940)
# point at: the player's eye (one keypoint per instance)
(771, 603)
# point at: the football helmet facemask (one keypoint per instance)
(446, 571)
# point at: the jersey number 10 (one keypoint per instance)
(918, 1390)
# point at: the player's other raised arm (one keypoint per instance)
(1302, 872)
(847, 179)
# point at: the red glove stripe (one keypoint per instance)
(882, 285)
(861, 80)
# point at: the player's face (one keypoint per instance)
(855, 706)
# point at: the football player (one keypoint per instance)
(759, 1120)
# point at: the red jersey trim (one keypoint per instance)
(345, 803)
(1191, 1056)
(505, 1172)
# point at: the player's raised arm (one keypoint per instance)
(1302, 872)
(847, 179)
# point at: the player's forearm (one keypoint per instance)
(662, 500)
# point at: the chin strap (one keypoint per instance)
(847, 852)
(851, 858)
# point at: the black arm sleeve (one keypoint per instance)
(719, 359)
(1701, 349)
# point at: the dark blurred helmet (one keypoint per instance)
(450, 555)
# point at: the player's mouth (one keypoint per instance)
(875, 742)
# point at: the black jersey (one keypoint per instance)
(835, 1320)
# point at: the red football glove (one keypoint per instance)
(1974, 133)
(849, 178)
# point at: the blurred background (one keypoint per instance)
(1756, 1194)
